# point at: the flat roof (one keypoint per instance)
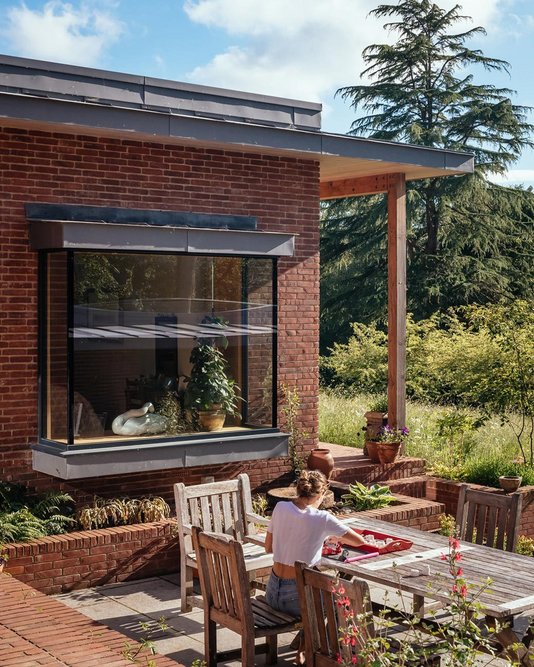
(67, 98)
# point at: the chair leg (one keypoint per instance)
(210, 642)
(247, 650)
(186, 586)
(272, 649)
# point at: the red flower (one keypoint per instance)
(443, 557)
(463, 591)
(459, 572)
(457, 556)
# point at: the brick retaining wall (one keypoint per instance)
(93, 558)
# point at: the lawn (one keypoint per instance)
(480, 454)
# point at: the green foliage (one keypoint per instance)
(480, 356)
(379, 404)
(361, 497)
(105, 513)
(290, 410)
(24, 517)
(525, 546)
(469, 240)
(139, 653)
(447, 525)
(209, 383)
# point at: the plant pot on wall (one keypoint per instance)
(321, 459)
(510, 483)
(388, 451)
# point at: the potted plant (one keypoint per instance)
(210, 391)
(389, 442)
(376, 417)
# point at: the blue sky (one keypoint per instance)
(304, 49)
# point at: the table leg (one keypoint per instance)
(419, 605)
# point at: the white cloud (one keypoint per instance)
(303, 49)
(514, 176)
(61, 32)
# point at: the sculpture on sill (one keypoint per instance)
(141, 421)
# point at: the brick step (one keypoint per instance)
(351, 465)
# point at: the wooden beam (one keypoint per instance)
(353, 187)
(397, 300)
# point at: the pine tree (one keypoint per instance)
(469, 240)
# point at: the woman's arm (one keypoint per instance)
(269, 543)
(352, 538)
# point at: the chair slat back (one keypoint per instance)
(217, 507)
(489, 518)
(223, 578)
(323, 619)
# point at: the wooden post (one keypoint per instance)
(397, 300)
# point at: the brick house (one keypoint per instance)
(140, 216)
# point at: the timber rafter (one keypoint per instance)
(357, 187)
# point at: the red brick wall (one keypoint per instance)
(283, 193)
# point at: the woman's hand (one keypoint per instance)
(352, 538)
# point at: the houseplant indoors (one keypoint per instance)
(210, 391)
(389, 443)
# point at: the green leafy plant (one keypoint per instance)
(140, 652)
(105, 513)
(361, 497)
(447, 525)
(24, 517)
(379, 404)
(525, 546)
(290, 410)
(209, 384)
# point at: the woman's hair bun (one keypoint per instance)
(311, 483)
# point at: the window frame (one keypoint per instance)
(106, 445)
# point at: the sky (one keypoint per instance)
(301, 49)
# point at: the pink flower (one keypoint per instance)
(341, 590)
(455, 544)
(443, 557)
(463, 591)
(459, 572)
(457, 556)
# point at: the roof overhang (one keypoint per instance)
(117, 107)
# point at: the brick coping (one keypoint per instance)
(38, 630)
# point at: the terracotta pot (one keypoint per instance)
(211, 420)
(321, 459)
(510, 483)
(388, 451)
(372, 450)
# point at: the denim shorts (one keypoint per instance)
(282, 594)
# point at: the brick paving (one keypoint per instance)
(39, 631)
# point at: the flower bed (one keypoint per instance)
(92, 558)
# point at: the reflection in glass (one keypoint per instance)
(137, 318)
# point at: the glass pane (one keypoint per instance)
(55, 426)
(137, 320)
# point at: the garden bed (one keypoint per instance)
(89, 558)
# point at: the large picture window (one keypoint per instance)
(140, 346)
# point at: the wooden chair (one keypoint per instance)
(227, 601)
(320, 618)
(219, 507)
(322, 621)
(491, 519)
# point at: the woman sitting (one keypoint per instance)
(297, 531)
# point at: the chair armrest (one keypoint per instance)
(187, 528)
(256, 518)
(258, 539)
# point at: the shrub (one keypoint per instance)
(106, 513)
(24, 517)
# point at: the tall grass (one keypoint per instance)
(341, 421)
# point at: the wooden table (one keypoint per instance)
(510, 594)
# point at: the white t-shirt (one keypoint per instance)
(299, 534)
